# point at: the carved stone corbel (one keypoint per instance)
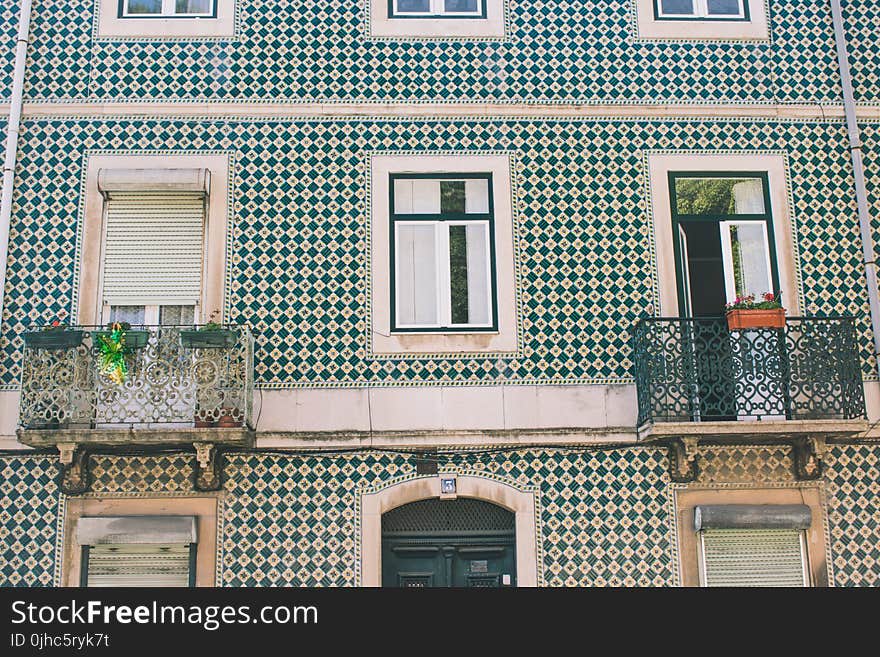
(809, 454)
(74, 466)
(683, 466)
(208, 467)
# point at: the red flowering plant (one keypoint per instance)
(769, 301)
(57, 324)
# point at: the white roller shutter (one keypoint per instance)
(153, 249)
(139, 565)
(753, 557)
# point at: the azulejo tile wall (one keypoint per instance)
(291, 519)
(299, 240)
(558, 50)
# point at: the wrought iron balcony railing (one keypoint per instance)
(175, 377)
(695, 369)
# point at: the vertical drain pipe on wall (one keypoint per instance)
(13, 128)
(855, 149)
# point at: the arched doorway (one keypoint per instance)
(463, 542)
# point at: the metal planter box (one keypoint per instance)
(133, 339)
(220, 339)
(54, 339)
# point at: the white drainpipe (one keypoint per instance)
(21, 44)
(855, 149)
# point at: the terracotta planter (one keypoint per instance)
(227, 419)
(203, 424)
(743, 320)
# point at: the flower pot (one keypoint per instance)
(54, 339)
(133, 339)
(743, 320)
(203, 424)
(227, 418)
(219, 339)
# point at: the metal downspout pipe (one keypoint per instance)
(13, 128)
(855, 149)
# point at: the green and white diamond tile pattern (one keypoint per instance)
(30, 508)
(862, 24)
(299, 242)
(291, 519)
(558, 51)
(8, 35)
(852, 476)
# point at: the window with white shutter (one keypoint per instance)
(754, 557)
(139, 565)
(153, 249)
(138, 550)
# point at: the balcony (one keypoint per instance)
(180, 387)
(696, 378)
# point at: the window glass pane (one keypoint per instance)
(416, 196)
(133, 315)
(682, 7)
(719, 196)
(479, 311)
(477, 196)
(458, 274)
(144, 6)
(416, 284)
(193, 7)
(176, 315)
(748, 247)
(461, 6)
(452, 196)
(414, 6)
(724, 7)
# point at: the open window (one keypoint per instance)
(443, 252)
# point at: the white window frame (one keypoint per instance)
(443, 275)
(504, 339)
(490, 23)
(169, 10)
(649, 25)
(701, 12)
(727, 257)
(438, 10)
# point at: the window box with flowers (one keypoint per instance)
(746, 313)
(54, 336)
(210, 336)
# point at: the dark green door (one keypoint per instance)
(436, 543)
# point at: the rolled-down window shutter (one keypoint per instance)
(754, 557)
(139, 565)
(153, 250)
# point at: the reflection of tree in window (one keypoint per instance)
(705, 196)
(458, 273)
(736, 248)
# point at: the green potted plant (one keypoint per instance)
(211, 335)
(745, 313)
(54, 336)
(134, 338)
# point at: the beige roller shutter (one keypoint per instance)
(753, 557)
(153, 249)
(139, 565)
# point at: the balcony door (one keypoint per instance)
(724, 230)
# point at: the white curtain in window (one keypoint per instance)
(416, 274)
(748, 197)
(193, 6)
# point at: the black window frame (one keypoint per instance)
(410, 218)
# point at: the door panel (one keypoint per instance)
(443, 561)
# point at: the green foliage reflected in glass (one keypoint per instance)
(705, 196)
(458, 274)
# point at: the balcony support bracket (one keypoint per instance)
(208, 468)
(683, 465)
(809, 454)
(74, 469)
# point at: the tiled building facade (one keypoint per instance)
(583, 111)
